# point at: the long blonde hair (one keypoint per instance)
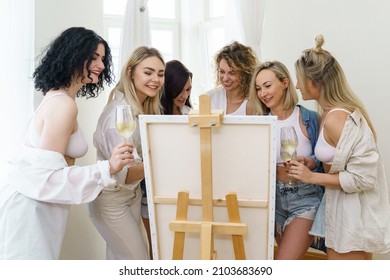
(319, 66)
(281, 72)
(151, 105)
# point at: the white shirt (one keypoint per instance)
(34, 204)
(185, 110)
(106, 137)
(219, 101)
(358, 214)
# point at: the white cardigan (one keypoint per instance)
(34, 203)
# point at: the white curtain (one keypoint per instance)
(244, 22)
(16, 87)
(136, 29)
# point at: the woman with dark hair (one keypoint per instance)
(43, 182)
(177, 89)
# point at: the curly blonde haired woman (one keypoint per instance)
(234, 65)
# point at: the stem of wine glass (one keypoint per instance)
(292, 183)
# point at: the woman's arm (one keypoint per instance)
(135, 173)
(302, 173)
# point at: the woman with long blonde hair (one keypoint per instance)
(116, 213)
(272, 92)
(356, 202)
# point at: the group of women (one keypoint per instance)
(340, 194)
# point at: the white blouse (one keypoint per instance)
(106, 137)
(364, 223)
(34, 204)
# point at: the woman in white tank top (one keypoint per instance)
(43, 182)
(273, 93)
(356, 219)
(234, 66)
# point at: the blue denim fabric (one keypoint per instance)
(311, 120)
(318, 228)
(301, 201)
(304, 200)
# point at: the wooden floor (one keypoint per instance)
(312, 254)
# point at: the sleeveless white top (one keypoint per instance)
(324, 151)
(304, 146)
(77, 146)
(219, 101)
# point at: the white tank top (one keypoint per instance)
(219, 101)
(304, 146)
(77, 146)
(324, 151)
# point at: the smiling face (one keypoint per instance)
(181, 99)
(270, 89)
(96, 67)
(148, 77)
(228, 76)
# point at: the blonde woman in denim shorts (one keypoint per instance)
(273, 93)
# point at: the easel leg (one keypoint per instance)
(206, 242)
(181, 215)
(234, 217)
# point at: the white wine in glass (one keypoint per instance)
(125, 121)
(288, 145)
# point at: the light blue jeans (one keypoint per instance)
(301, 201)
(304, 201)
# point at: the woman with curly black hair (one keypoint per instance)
(43, 182)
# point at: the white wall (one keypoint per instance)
(356, 32)
(82, 241)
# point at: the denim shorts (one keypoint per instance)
(301, 201)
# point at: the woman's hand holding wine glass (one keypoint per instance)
(122, 155)
(125, 122)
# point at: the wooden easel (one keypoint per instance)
(207, 227)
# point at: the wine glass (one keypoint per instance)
(125, 121)
(289, 144)
(125, 124)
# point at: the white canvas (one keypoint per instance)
(243, 161)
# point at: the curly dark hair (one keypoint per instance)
(176, 76)
(64, 59)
